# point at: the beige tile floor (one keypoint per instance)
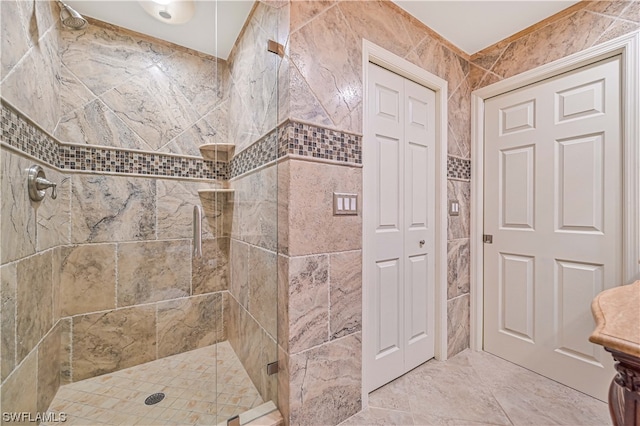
(477, 388)
(188, 381)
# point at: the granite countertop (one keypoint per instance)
(617, 315)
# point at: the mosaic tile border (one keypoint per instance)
(322, 143)
(297, 138)
(458, 168)
(139, 163)
(257, 154)
(300, 139)
(292, 137)
(22, 134)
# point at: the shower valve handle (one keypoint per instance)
(37, 184)
(43, 184)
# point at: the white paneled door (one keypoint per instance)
(552, 204)
(399, 196)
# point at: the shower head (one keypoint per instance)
(70, 18)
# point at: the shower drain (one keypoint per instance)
(154, 399)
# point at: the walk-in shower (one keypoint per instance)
(146, 291)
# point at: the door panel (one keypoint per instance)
(553, 189)
(517, 177)
(580, 187)
(399, 178)
(516, 292)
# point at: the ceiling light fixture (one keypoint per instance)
(173, 12)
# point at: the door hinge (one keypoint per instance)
(488, 239)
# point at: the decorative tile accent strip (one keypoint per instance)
(20, 133)
(94, 159)
(259, 153)
(23, 135)
(328, 144)
(458, 168)
(299, 139)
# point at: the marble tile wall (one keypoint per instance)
(320, 252)
(126, 90)
(30, 325)
(102, 278)
(253, 302)
(592, 23)
(253, 94)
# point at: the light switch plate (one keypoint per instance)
(345, 204)
(454, 208)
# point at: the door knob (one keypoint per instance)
(421, 243)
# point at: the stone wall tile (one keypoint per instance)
(8, 288)
(42, 65)
(263, 288)
(308, 302)
(152, 271)
(312, 226)
(87, 278)
(19, 391)
(458, 328)
(345, 275)
(239, 286)
(326, 382)
(175, 202)
(330, 62)
(108, 208)
(34, 302)
(109, 341)
(151, 106)
(188, 324)
(96, 124)
(210, 273)
(54, 216)
(18, 226)
(458, 226)
(458, 261)
(49, 352)
(14, 41)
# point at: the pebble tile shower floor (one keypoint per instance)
(188, 381)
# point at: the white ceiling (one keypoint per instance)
(471, 25)
(476, 24)
(213, 28)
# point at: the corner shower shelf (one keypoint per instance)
(209, 151)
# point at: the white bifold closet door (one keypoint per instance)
(399, 196)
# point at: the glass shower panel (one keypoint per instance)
(249, 212)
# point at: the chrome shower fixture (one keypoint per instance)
(37, 184)
(70, 18)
